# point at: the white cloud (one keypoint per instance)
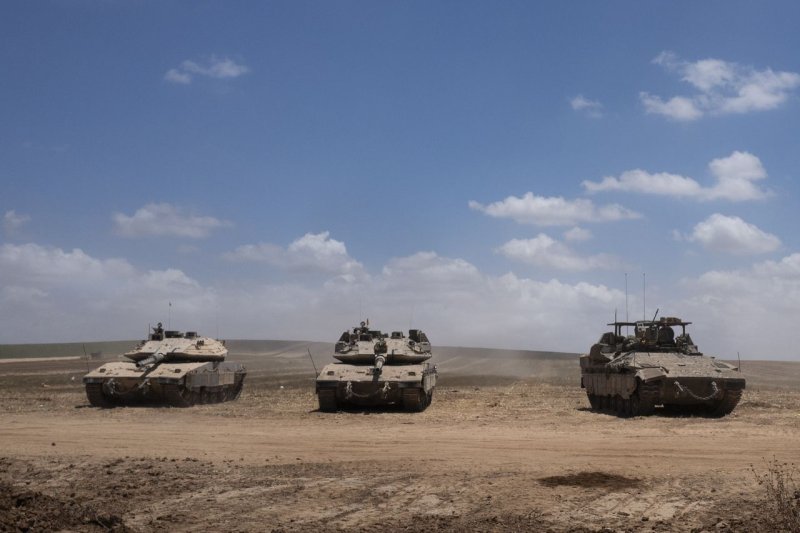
(577, 234)
(48, 266)
(553, 211)
(733, 235)
(214, 67)
(787, 269)
(315, 252)
(591, 108)
(735, 181)
(677, 108)
(735, 176)
(428, 270)
(722, 88)
(53, 295)
(12, 222)
(748, 310)
(50, 294)
(450, 298)
(544, 251)
(176, 76)
(165, 220)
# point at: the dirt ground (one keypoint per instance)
(519, 451)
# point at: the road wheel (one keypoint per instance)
(621, 407)
(414, 400)
(727, 404)
(649, 395)
(96, 396)
(176, 395)
(606, 403)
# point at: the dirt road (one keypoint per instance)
(490, 454)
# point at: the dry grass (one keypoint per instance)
(781, 496)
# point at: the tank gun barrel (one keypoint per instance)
(380, 360)
(152, 360)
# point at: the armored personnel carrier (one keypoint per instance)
(170, 367)
(631, 375)
(378, 369)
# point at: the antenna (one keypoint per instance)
(86, 358)
(411, 318)
(644, 296)
(626, 302)
(312, 360)
(169, 316)
(739, 357)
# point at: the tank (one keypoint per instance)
(378, 369)
(631, 375)
(170, 367)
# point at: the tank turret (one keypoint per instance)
(633, 374)
(378, 369)
(169, 367)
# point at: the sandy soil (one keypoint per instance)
(493, 453)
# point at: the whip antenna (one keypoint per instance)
(312, 360)
(644, 296)
(626, 302)
(86, 358)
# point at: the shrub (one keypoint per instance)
(781, 496)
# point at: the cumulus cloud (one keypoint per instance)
(174, 75)
(553, 211)
(427, 270)
(544, 251)
(165, 220)
(12, 222)
(450, 298)
(51, 294)
(748, 310)
(577, 234)
(722, 87)
(677, 108)
(213, 67)
(736, 176)
(733, 235)
(316, 252)
(591, 108)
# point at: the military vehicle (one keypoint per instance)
(378, 369)
(631, 375)
(170, 367)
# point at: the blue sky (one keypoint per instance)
(279, 168)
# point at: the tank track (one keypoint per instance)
(327, 401)
(96, 396)
(728, 403)
(416, 400)
(649, 395)
(176, 395)
(641, 403)
(237, 388)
